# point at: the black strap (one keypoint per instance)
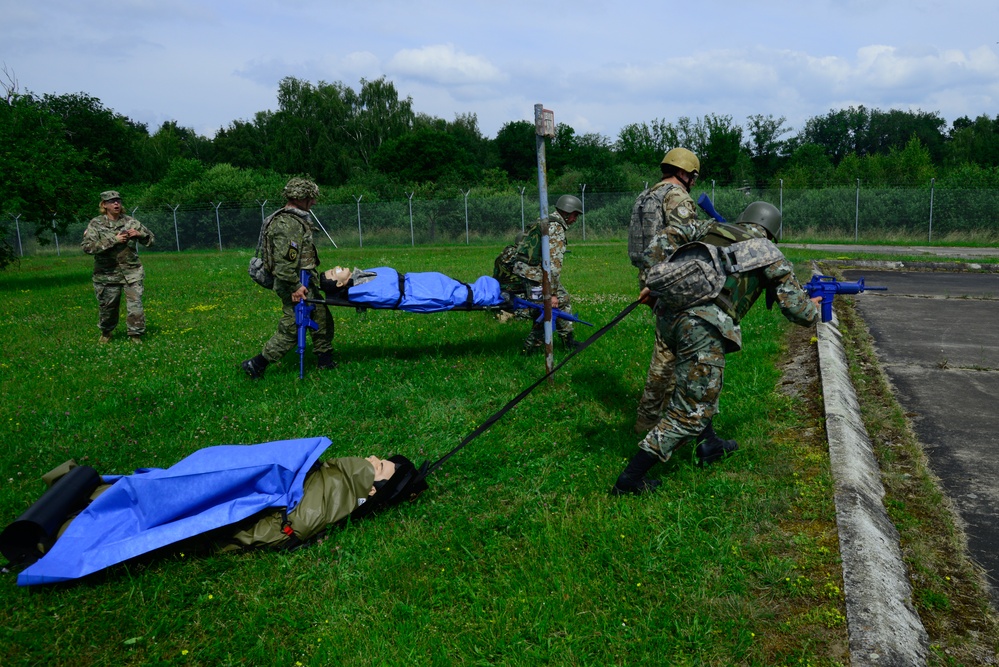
(522, 395)
(402, 289)
(470, 299)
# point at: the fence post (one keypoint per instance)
(176, 234)
(262, 205)
(56, 236)
(780, 231)
(465, 193)
(218, 225)
(360, 241)
(856, 220)
(522, 208)
(712, 191)
(929, 238)
(133, 215)
(17, 225)
(412, 234)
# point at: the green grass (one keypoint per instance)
(516, 555)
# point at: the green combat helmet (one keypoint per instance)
(764, 214)
(569, 204)
(681, 158)
(301, 188)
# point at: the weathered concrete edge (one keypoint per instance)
(882, 624)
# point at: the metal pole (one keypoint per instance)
(412, 235)
(856, 221)
(56, 236)
(929, 239)
(712, 191)
(17, 225)
(133, 215)
(541, 129)
(522, 208)
(583, 214)
(466, 213)
(780, 234)
(176, 234)
(360, 241)
(218, 225)
(262, 216)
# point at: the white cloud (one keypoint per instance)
(444, 64)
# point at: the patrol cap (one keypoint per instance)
(301, 188)
(109, 195)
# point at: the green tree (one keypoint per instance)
(645, 144)
(426, 155)
(765, 145)
(721, 152)
(517, 149)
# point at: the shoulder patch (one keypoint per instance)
(292, 254)
(682, 211)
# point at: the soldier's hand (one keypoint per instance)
(299, 294)
(645, 296)
(554, 301)
(121, 236)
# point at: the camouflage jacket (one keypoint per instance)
(741, 290)
(114, 261)
(528, 264)
(681, 226)
(288, 247)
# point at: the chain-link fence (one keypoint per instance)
(861, 213)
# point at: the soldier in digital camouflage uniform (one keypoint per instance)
(518, 269)
(701, 336)
(288, 247)
(111, 238)
(680, 168)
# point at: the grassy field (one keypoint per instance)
(516, 555)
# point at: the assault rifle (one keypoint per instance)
(517, 302)
(705, 203)
(828, 287)
(303, 320)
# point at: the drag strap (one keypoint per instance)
(522, 395)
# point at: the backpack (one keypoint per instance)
(646, 221)
(527, 249)
(260, 268)
(696, 273)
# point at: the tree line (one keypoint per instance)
(58, 151)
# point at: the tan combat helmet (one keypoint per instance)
(681, 158)
(764, 214)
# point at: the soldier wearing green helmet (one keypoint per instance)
(518, 270)
(287, 248)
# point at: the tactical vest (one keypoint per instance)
(721, 269)
(646, 220)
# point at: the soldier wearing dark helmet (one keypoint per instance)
(288, 248)
(700, 336)
(518, 270)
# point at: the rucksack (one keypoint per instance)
(527, 249)
(646, 221)
(696, 273)
(260, 268)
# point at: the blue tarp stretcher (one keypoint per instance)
(153, 508)
(419, 292)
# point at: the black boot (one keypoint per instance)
(324, 361)
(570, 342)
(255, 367)
(633, 480)
(710, 447)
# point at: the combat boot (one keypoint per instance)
(570, 343)
(255, 367)
(324, 361)
(105, 337)
(710, 447)
(633, 480)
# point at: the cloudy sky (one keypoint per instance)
(598, 65)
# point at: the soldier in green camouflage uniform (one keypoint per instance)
(288, 248)
(518, 269)
(111, 238)
(680, 170)
(700, 337)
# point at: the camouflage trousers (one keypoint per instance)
(658, 382)
(109, 307)
(286, 337)
(699, 371)
(563, 327)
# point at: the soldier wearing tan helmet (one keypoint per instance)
(518, 270)
(288, 248)
(667, 214)
(111, 238)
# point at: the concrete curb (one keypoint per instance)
(882, 624)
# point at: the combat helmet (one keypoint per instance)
(569, 204)
(764, 214)
(300, 188)
(681, 158)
